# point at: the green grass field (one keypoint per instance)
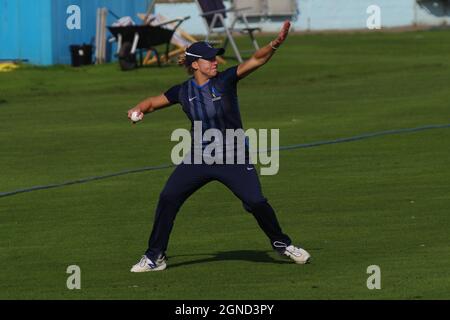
(382, 201)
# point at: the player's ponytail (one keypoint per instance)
(182, 59)
(182, 63)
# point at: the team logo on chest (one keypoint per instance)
(215, 95)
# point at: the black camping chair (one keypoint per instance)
(214, 14)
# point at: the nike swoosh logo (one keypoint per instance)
(191, 99)
(250, 169)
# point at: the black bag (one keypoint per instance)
(81, 55)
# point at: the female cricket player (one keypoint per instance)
(210, 97)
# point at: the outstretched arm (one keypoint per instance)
(264, 54)
(150, 105)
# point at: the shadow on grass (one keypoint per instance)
(239, 255)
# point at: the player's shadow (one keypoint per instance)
(239, 255)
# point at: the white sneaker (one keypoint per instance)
(148, 265)
(299, 255)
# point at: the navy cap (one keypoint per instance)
(202, 50)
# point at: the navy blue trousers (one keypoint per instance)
(241, 179)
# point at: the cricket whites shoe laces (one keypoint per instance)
(145, 265)
(299, 255)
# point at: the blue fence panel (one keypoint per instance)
(26, 30)
(9, 47)
(37, 31)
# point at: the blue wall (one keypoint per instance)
(25, 29)
(63, 37)
(36, 29)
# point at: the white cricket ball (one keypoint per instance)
(135, 116)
